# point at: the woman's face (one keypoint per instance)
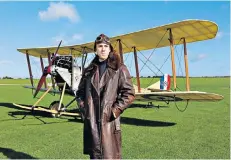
(103, 50)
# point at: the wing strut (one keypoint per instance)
(172, 56)
(72, 67)
(137, 69)
(84, 58)
(50, 63)
(42, 66)
(121, 51)
(186, 65)
(29, 68)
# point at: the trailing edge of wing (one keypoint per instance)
(178, 96)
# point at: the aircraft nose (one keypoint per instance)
(47, 70)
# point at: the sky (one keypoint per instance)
(39, 24)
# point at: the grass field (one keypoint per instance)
(201, 132)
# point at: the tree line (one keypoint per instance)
(7, 77)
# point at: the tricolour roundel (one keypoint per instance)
(165, 82)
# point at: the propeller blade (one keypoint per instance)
(55, 53)
(41, 81)
(46, 71)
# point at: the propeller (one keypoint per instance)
(46, 71)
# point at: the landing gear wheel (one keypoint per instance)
(55, 106)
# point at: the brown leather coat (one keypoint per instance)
(112, 93)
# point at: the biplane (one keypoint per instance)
(66, 74)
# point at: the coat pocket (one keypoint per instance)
(107, 112)
(117, 128)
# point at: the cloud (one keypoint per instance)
(6, 62)
(59, 10)
(198, 58)
(67, 40)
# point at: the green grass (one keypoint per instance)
(18, 81)
(201, 132)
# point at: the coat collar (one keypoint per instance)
(107, 75)
(113, 61)
(92, 70)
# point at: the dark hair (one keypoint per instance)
(114, 56)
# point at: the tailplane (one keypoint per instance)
(162, 85)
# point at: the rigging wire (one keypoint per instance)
(154, 49)
(160, 69)
(89, 59)
(181, 110)
(150, 62)
(179, 60)
(172, 79)
(151, 70)
(131, 61)
(180, 67)
(128, 55)
(115, 45)
(36, 67)
(168, 57)
(78, 61)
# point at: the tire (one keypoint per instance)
(55, 106)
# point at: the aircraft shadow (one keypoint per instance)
(12, 154)
(24, 113)
(28, 112)
(9, 105)
(124, 120)
(134, 105)
(143, 122)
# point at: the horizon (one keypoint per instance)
(131, 76)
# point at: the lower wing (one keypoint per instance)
(178, 96)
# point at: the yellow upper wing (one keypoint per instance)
(191, 30)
